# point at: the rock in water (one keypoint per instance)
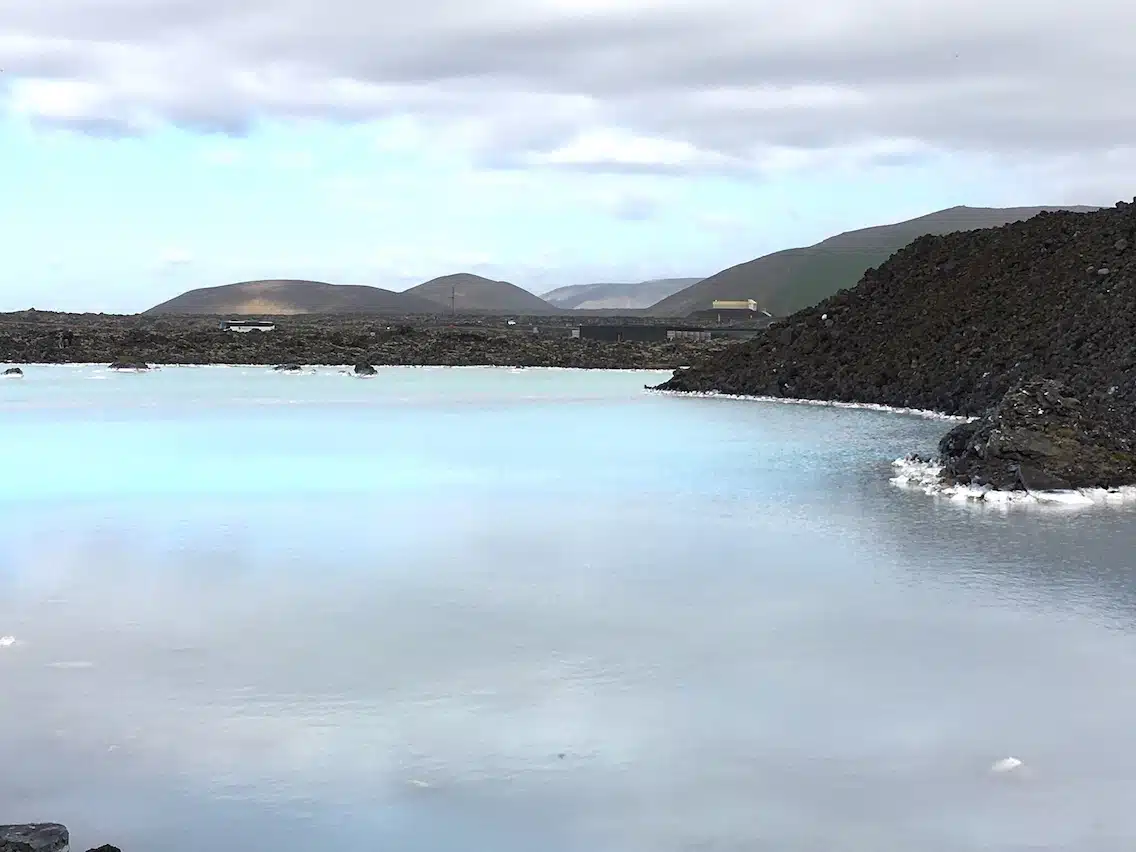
(287, 368)
(364, 369)
(14, 372)
(34, 837)
(1040, 437)
(129, 365)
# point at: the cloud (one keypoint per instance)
(666, 86)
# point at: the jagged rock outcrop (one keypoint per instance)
(40, 837)
(951, 323)
(364, 369)
(34, 837)
(1040, 437)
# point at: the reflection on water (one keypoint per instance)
(596, 621)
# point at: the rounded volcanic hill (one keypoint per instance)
(287, 297)
(468, 293)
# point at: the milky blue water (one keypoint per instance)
(492, 609)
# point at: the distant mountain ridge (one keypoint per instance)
(462, 292)
(788, 280)
(781, 283)
(468, 293)
(287, 296)
(617, 295)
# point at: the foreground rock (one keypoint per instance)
(40, 837)
(951, 323)
(1041, 438)
(364, 369)
(34, 837)
(14, 372)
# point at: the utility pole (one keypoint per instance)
(453, 300)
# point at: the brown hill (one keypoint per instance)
(792, 279)
(289, 297)
(467, 293)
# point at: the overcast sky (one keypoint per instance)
(151, 146)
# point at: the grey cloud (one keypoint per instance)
(956, 75)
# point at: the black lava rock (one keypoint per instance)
(287, 368)
(129, 365)
(951, 323)
(364, 369)
(34, 837)
(13, 371)
(1041, 438)
(1032, 324)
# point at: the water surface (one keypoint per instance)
(492, 609)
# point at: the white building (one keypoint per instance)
(734, 305)
(248, 325)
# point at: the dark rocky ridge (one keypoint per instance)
(791, 279)
(951, 323)
(1030, 325)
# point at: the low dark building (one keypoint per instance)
(736, 333)
(723, 316)
(689, 334)
(622, 333)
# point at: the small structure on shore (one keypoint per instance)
(638, 333)
(247, 325)
(621, 333)
(723, 311)
(689, 334)
(653, 333)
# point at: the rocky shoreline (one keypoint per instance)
(39, 337)
(1030, 327)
